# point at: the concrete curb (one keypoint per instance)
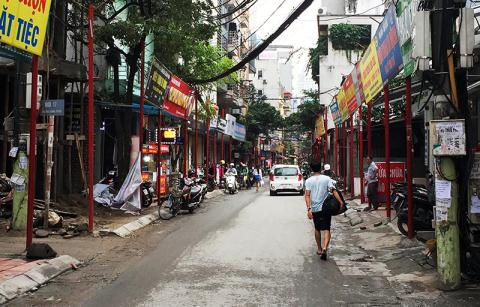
(129, 228)
(35, 277)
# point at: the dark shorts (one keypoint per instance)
(372, 191)
(322, 220)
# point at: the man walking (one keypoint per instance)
(317, 189)
(372, 184)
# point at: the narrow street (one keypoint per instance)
(249, 249)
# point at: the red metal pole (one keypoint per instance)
(230, 151)
(215, 153)
(344, 152)
(90, 117)
(195, 142)
(207, 158)
(408, 124)
(185, 149)
(369, 129)
(223, 138)
(325, 137)
(335, 150)
(32, 154)
(159, 154)
(360, 155)
(352, 179)
(142, 98)
(387, 148)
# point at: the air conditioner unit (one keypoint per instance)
(264, 81)
(322, 11)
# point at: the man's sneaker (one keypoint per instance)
(324, 255)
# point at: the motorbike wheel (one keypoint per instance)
(403, 227)
(168, 209)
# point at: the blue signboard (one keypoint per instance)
(388, 48)
(55, 107)
(239, 132)
(337, 117)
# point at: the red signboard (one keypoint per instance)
(163, 184)
(397, 174)
(152, 149)
(178, 100)
(350, 95)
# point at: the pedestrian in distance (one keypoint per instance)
(317, 188)
(372, 184)
(327, 171)
(257, 174)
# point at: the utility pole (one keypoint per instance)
(447, 232)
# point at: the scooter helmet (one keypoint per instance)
(326, 167)
(232, 165)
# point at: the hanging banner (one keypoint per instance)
(342, 104)
(239, 132)
(397, 174)
(370, 73)
(23, 24)
(319, 127)
(157, 83)
(388, 48)
(357, 82)
(179, 98)
(230, 128)
(337, 117)
(406, 11)
(350, 96)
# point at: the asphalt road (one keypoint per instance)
(253, 250)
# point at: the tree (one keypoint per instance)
(262, 118)
(304, 119)
(181, 30)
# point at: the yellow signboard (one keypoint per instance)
(319, 127)
(23, 24)
(342, 104)
(370, 72)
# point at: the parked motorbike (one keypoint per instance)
(6, 198)
(148, 193)
(185, 195)
(211, 184)
(422, 207)
(230, 183)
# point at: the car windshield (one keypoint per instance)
(286, 171)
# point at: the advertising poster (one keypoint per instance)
(397, 174)
(370, 73)
(157, 83)
(388, 47)
(342, 104)
(23, 24)
(357, 82)
(406, 10)
(319, 127)
(179, 98)
(352, 103)
(337, 117)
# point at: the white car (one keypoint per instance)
(286, 178)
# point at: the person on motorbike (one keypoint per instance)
(232, 170)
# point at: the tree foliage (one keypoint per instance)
(262, 118)
(345, 36)
(304, 119)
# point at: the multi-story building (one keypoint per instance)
(274, 77)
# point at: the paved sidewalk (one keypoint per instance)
(18, 276)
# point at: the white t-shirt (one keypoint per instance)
(319, 187)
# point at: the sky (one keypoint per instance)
(301, 34)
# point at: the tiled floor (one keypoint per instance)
(10, 268)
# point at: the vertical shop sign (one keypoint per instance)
(23, 24)
(406, 11)
(370, 73)
(388, 47)
(158, 79)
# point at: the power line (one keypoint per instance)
(255, 52)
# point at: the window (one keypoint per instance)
(322, 43)
(260, 93)
(260, 74)
(286, 171)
